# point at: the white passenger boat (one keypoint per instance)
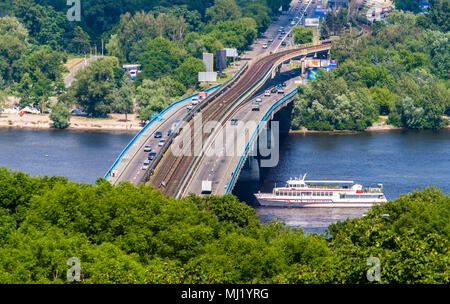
(299, 192)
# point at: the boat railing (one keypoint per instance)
(372, 190)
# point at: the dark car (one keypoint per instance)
(306, 14)
(151, 155)
(283, 43)
(158, 134)
(274, 90)
(169, 132)
(283, 84)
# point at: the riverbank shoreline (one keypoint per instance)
(379, 127)
(373, 128)
(114, 122)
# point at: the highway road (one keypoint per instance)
(130, 168)
(170, 171)
(216, 166)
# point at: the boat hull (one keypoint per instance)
(315, 204)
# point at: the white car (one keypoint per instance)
(259, 99)
(161, 142)
(194, 100)
(264, 46)
(146, 164)
(147, 148)
(267, 93)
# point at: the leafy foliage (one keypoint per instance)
(400, 67)
(302, 34)
(128, 234)
(60, 115)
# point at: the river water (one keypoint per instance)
(401, 160)
(82, 156)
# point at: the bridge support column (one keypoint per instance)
(250, 171)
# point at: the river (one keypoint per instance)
(401, 160)
(82, 156)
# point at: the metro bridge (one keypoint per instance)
(179, 170)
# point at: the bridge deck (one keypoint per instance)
(171, 169)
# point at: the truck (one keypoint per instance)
(206, 187)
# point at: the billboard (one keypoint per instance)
(321, 12)
(311, 22)
(313, 73)
(208, 59)
(333, 63)
(312, 63)
(221, 60)
(231, 52)
(207, 76)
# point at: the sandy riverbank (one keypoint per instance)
(114, 122)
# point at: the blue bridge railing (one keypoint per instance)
(254, 134)
(155, 118)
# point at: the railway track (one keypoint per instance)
(171, 169)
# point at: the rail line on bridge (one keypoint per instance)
(170, 170)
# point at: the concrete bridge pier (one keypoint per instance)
(276, 71)
(250, 171)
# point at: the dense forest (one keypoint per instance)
(128, 234)
(399, 69)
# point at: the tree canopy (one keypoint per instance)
(127, 234)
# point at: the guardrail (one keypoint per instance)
(247, 147)
(136, 137)
(243, 96)
(202, 104)
(195, 160)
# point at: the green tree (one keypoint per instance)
(124, 98)
(223, 10)
(187, 72)
(94, 86)
(160, 59)
(60, 116)
(384, 99)
(302, 34)
(81, 41)
(13, 44)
